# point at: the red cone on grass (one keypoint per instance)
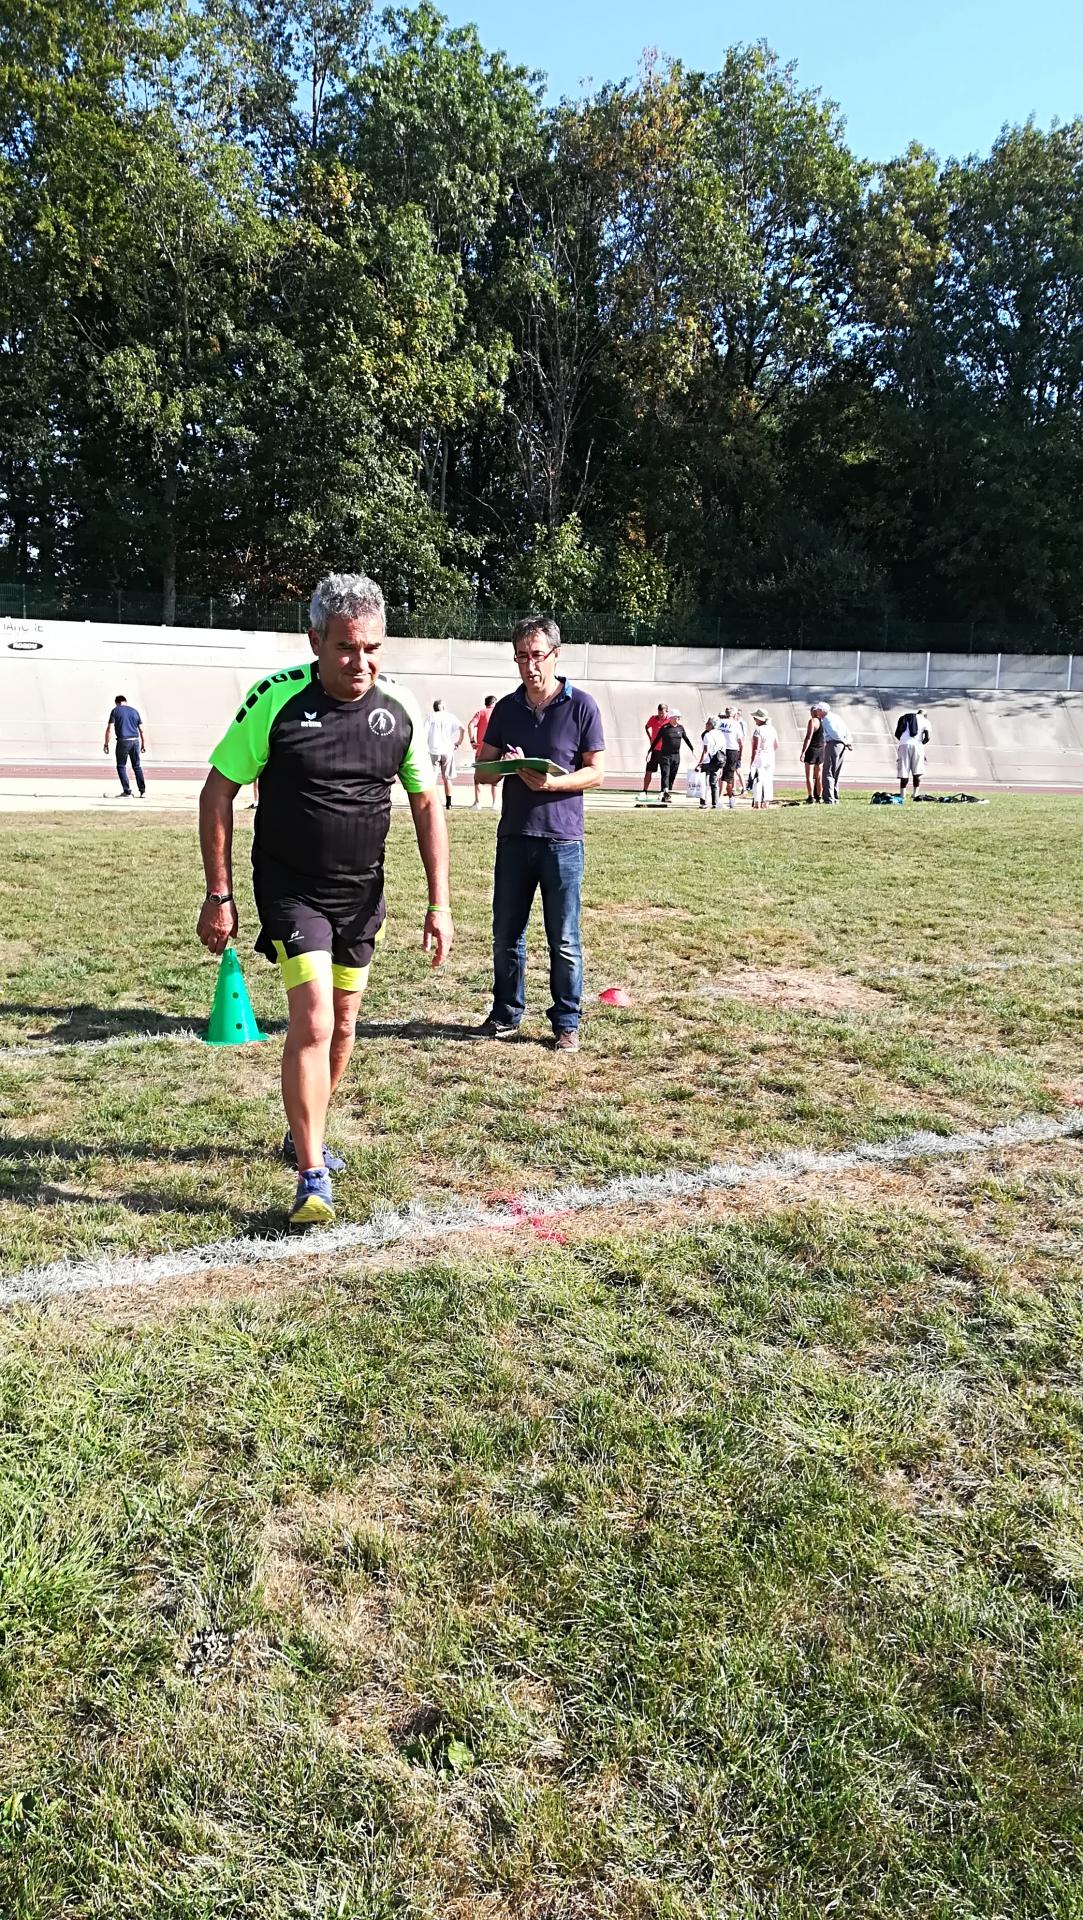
(232, 1022)
(615, 997)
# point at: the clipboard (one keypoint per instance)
(503, 767)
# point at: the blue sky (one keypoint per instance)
(949, 73)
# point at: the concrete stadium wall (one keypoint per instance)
(996, 719)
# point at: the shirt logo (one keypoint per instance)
(310, 720)
(382, 722)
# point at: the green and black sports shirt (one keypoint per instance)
(325, 769)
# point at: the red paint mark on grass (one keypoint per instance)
(543, 1224)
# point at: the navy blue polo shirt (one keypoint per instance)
(126, 722)
(563, 732)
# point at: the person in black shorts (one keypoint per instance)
(326, 740)
(812, 758)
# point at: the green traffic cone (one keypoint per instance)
(232, 1022)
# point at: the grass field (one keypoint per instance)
(711, 1562)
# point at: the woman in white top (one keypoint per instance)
(761, 769)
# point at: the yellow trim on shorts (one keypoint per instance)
(355, 979)
(349, 979)
(296, 972)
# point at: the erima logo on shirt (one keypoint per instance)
(310, 720)
(382, 722)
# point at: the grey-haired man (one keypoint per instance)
(837, 740)
(326, 740)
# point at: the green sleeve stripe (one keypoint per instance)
(241, 754)
(416, 772)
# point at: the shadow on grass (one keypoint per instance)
(84, 1022)
(442, 1030)
(264, 1223)
(29, 1153)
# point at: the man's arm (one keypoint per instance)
(142, 739)
(590, 774)
(430, 826)
(108, 731)
(217, 923)
(488, 752)
(460, 738)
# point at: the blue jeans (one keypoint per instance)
(525, 862)
(129, 750)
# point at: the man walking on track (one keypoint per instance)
(326, 741)
(127, 724)
(539, 839)
(837, 739)
(476, 734)
(668, 741)
(444, 733)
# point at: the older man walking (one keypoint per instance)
(326, 741)
(539, 841)
(837, 740)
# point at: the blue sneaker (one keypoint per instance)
(331, 1160)
(313, 1204)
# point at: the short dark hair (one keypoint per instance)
(533, 623)
(490, 699)
(436, 706)
(118, 699)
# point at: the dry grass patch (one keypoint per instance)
(795, 989)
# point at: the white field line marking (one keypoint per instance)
(420, 1224)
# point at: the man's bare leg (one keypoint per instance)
(347, 1006)
(306, 1064)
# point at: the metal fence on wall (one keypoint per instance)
(870, 633)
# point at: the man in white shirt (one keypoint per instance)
(836, 738)
(722, 753)
(443, 733)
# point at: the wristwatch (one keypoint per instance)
(220, 899)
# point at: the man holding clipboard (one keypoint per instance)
(558, 728)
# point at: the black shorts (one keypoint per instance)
(814, 754)
(652, 760)
(731, 762)
(292, 930)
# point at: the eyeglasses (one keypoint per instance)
(534, 659)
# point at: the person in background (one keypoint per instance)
(127, 724)
(912, 735)
(713, 757)
(761, 770)
(728, 738)
(812, 759)
(668, 743)
(443, 733)
(476, 734)
(652, 729)
(742, 742)
(837, 741)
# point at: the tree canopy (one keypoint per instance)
(291, 284)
